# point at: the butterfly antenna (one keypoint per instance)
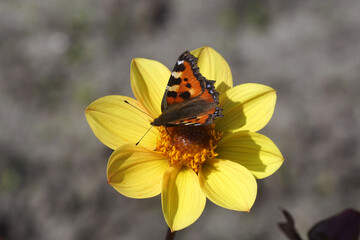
(144, 113)
(143, 136)
(138, 109)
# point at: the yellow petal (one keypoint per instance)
(246, 107)
(115, 123)
(182, 199)
(148, 81)
(136, 172)
(228, 184)
(214, 67)
(254, 151)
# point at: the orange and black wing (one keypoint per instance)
(186, 82)
(185, 85)
(205, 118)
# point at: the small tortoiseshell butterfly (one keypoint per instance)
(190, 99)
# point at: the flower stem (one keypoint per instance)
(170, 235)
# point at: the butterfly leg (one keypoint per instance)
(172, 138)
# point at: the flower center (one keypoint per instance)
(190, 146)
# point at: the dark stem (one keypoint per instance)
(170, 235)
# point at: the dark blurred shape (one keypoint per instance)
(160, 13)
(4, 226)
(342, 226)
(288, 227)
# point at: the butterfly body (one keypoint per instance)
(189, 99)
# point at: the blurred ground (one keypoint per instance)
(58, 56)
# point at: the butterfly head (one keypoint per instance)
(157, 122)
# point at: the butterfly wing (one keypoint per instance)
(205, 119)
(187, 86)
(185, 81)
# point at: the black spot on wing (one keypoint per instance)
(179, 68)
(192, 60)
(172, 94)
(185, 95)
(174, 81)
(205, 84)
(188, 85)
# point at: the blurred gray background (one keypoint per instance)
(57, 56)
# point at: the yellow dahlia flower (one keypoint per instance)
(219, 162)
